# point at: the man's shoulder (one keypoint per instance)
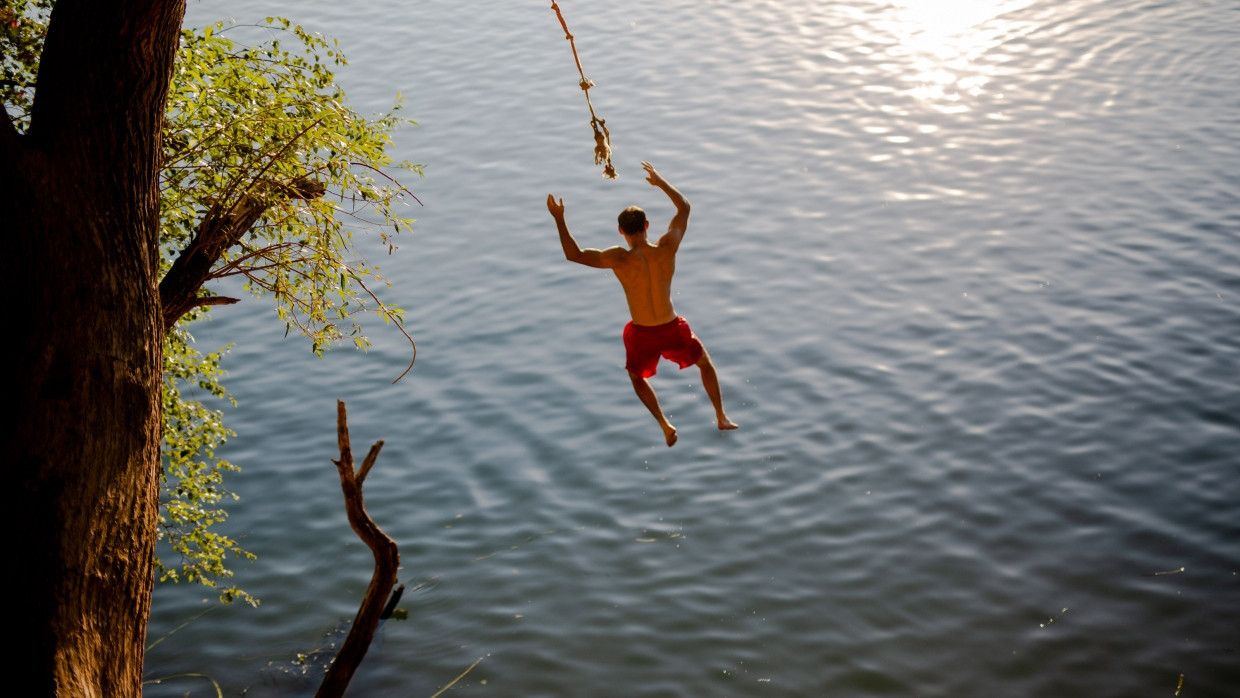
(667, 246)
(671, 239)
(615, 256)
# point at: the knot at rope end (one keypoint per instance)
(602, 148)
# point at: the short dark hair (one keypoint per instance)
(632, 221)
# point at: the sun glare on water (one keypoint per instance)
(943, 39)
(931, 23)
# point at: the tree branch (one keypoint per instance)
(387, 562)
(217, 300)
(178, 290)
(369, 462)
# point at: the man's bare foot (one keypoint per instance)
(669, 433)
(726, 424)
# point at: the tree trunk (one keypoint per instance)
(79, 196)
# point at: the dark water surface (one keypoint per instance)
(970, 273)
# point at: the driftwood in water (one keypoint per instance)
(387, 561)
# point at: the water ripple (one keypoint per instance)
(969, 277)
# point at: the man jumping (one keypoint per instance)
(645, 271)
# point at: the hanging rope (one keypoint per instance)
(602, 138)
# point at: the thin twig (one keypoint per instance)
(443, 690)
(369, 461)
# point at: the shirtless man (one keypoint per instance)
(645, 271)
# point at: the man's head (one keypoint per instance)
(633, 221)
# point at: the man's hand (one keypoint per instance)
(654, 177)
(675, 229)
(556, 209)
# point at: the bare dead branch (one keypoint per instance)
(369, 461)
(387, 563)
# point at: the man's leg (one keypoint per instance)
(710, 381)
(651, 401)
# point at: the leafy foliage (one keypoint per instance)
(192, 475)
(23, 24)
(262, 126)
(266, 125)
(258, 127)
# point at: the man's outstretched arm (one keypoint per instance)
(680, 222)
(604, 259)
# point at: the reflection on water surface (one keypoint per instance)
(968, 271)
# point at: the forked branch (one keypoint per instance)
(387, 562)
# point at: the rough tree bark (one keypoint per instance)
(79, 287)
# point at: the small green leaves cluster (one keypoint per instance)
(192, 476)
(23, 25)
(267, 125)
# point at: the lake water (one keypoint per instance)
(970, 273)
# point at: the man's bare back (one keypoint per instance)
(645, 272)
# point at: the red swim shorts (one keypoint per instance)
(674, 341)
